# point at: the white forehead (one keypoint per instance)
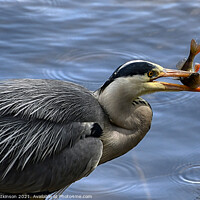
(136, 61)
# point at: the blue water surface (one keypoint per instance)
(84, 42)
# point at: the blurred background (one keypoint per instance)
(84, 42)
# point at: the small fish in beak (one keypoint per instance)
(193, 81)
(165, 86)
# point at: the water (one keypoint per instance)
(83, 42)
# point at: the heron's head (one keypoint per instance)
(137, 77)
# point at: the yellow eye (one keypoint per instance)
(150, 74)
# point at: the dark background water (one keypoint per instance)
(83, 42)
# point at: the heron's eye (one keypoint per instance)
(152, 73)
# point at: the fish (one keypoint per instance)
(193, 81)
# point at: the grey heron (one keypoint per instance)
(53, 133)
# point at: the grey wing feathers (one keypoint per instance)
(56, 172)
(39, 118)
(52, 100)
(35, 140)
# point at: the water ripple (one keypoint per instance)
(187, 174)
(89, 68)
(190, 174)
(105, 180)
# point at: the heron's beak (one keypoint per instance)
(174, 73)
(172, 86)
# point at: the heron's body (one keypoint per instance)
(38, 112)
(53, 133)
(37, 116)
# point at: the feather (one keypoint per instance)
(38, 118)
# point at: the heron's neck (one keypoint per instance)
(129, 118)
(117, 102)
